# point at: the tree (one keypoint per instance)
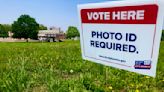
(42, 27)
(3, 32)
(25, 27)
(72, 32)
(7, 27)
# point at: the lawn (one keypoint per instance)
(58, 67)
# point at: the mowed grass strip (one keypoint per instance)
(58, 67)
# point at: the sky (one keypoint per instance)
(58, 13)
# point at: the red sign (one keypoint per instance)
(144, 14)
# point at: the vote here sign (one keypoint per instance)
(122, 34)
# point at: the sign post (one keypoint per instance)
(122, 34)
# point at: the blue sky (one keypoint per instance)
(59, 13)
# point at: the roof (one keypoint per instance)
(48, 32)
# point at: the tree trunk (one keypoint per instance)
(27, 40)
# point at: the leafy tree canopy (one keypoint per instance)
(7, 27)
(42, 27)
(3, 32)
(72, 32)
(25, 27)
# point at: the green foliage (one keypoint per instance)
(59, 67)
(42, 27)
(163, 35)
(25, 27)
(72, 32)
(7, 27)
(3, 31)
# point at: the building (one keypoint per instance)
(51, 35)
(10, 34)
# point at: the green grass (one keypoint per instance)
(58, 67)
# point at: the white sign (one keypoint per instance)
(122, 34)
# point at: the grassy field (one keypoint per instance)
(58, 67)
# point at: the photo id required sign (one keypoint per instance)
(122, 34)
